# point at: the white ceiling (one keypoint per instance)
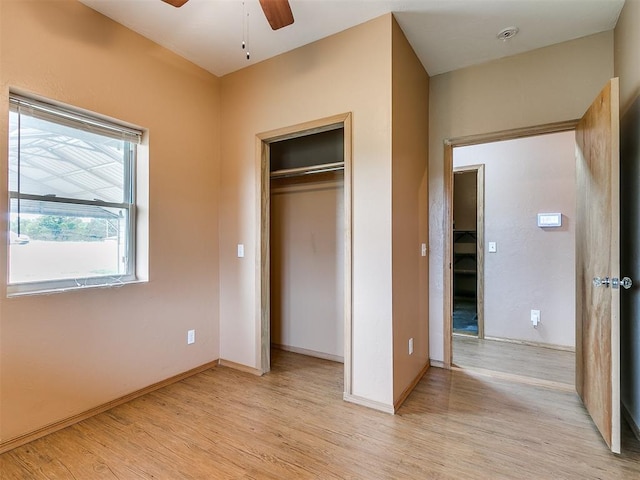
(446, 34)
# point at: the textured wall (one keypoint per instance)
(307, 264)
(627, 53)
(548, 85)
(63, 354)
(347, 72)
(410, 143)
(533, 268)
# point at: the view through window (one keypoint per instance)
(72, 198)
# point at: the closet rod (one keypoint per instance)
(294, 172)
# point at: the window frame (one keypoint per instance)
(94, 123)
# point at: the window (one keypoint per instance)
(71, 199)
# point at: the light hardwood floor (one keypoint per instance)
(531, 361)
(293, 423)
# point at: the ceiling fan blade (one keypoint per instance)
(176, 3)
(278, 13)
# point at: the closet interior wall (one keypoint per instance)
(307, 245)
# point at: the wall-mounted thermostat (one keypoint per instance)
(549, 219)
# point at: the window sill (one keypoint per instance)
(25, 289)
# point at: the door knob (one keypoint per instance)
(625, 283)
(601, 282)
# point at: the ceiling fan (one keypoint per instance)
(278, 12)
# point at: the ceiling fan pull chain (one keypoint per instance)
(245, 29)
(248, 54)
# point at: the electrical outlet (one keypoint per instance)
(411, 346)
(191, 337)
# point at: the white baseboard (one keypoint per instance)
(552, 346)
(309, 353)
(436, 363)
(365, 402)
(240, 367)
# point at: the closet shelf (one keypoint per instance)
(322, 168)
(464, 271)
(464, 252)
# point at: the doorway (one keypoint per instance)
(527, 268)
(468, 251)
(295, 175)
(597, 235)
(307, 245)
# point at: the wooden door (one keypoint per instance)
(597, 255)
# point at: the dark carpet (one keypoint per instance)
(465, 317)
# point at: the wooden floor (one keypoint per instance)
(293, 423)
(555, 366)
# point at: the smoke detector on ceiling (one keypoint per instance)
(508, 33)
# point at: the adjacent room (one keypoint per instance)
(230, 248)
(518, 284)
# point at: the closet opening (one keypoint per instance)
(307, 251)
(468, 251)
(305, 245)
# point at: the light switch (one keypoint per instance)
(423, 250)
(493, 247)
(240, 250)
(535, 318)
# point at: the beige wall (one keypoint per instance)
(307, 264)
(547, 85)
(533, 268)
(627, 53)
(65, 353)
(348, 72)
(410, 140)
